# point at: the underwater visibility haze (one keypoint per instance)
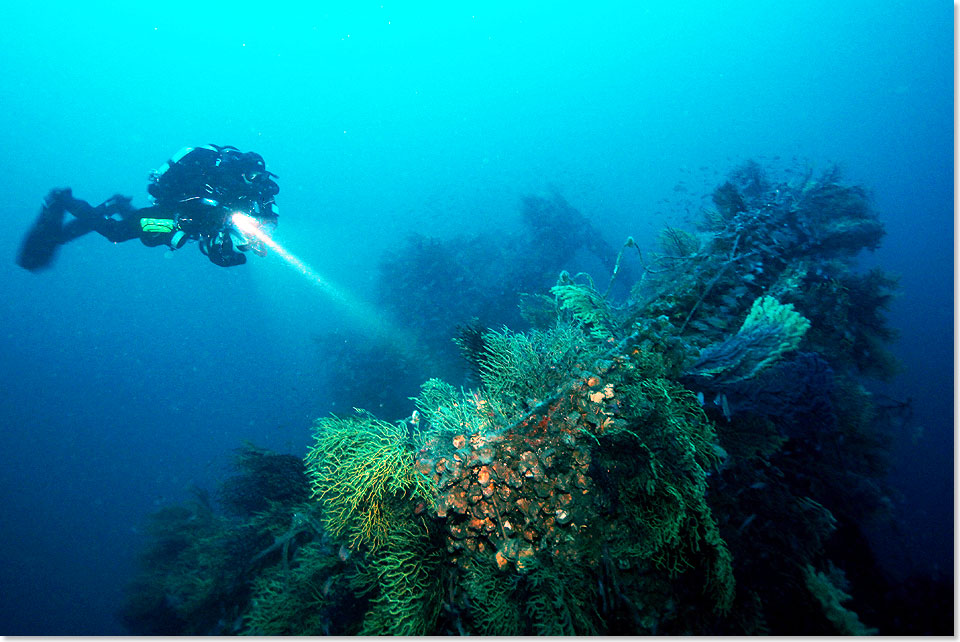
(605, 318)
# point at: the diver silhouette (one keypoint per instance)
(196, 194)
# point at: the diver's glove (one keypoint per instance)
(219, 250)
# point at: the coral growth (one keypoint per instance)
(570, 441)
(360, 468)
(678, 461)
(770, 330)
(828, 592)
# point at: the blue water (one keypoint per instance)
(130, 373)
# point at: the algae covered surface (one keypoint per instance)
(684, 444)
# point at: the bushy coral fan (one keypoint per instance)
(828, 592)
(676, 462)
(360, 468)
(770, 330)
(270, 477)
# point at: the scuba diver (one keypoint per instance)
(196, 195)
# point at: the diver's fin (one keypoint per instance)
(39, 246)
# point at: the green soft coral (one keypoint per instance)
(497, 604)
(404, 575)
(359, 467)
(561, 602)
(298, 602)
(588, 307)
(518, 368)
(770, 330)
(767, 312)
(663, 485)
(826, 588)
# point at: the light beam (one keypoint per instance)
(373, 318)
